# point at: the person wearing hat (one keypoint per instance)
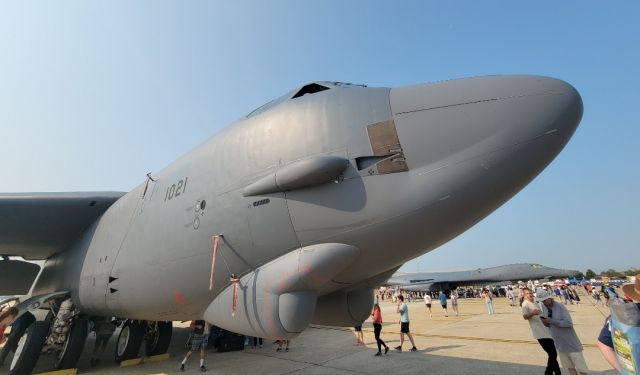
(557, 318)
(605, 342)
(531, 312)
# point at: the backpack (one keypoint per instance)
(625, 334)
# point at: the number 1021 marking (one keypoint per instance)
(176, 189)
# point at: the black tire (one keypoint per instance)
(159, 343)
(18, 329)
(129, 341)
(29, 348)
(74, 345)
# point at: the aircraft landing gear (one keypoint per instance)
(73, 345)
(129, 340)
(62, 333)
(157, 337)
(29, 348)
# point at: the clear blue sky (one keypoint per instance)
(95, 94)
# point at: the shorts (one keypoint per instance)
(428, 305)
(358, 328)
(444, 305)
(404, 327)
(573, 360)
(198, 342)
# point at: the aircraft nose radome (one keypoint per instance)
(472, 90)
(440, 121)
(561, 101)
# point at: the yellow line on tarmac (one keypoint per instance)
(450, 337)
(141, 360)
(69, 371)
(131, 362)
(158, 358)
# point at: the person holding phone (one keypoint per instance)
(531, 312)
(557, 318)
(403, 310)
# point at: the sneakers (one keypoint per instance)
(378, 354)
(203, 369)
(286, 350)
(386, 349)
(398, 348)
(279, 350)
(414, 349)
(181, 368)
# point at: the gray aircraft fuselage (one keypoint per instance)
(421, 165)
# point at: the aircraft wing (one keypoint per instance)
(37, 225)
(423, 282)
(450, 280)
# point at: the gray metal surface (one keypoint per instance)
(456, 151)
(38, 225)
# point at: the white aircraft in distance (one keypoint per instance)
(290, 216)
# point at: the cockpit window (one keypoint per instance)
(311, 88)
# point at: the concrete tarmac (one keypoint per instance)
(472, 343)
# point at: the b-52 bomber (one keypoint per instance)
(290, 216)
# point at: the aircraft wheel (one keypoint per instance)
(158, 341)
(29, 348)
(73, 345)
(129, 341)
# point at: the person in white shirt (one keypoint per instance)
(568, 345)
(531, 312)
(427, 302)
(454, 302)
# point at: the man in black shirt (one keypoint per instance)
(198, 342)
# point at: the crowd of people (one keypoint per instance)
(542, 306)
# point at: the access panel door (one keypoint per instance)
(270, 225)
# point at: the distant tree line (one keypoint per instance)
(590, 274)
